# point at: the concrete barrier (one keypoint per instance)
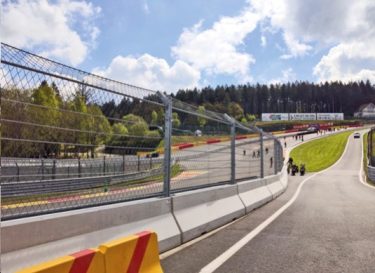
(138, 253)
(37, 239)
(85, 261)
(254, 193)
(274, 185)
(203, 210)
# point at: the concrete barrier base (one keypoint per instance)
(176, 220)
(36, 239)
(274, 185)
(254, 193)
(201, 211)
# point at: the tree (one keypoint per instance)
(250, 117)
(235, 110)
(78, 119)
(201, 120)
(99, 126)
(154, 117)
(175, 120)
(119, 134)
(47, 115)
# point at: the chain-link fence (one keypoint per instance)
(70, 139)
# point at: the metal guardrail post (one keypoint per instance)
(167, 144)
(233, 153)
(123, 163)
(42, 161)
(261, 155)
(54, 169)
(104, 167)
(232, 148)
(18, 172)
(275, 155)
(79, 167)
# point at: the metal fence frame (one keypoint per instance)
(24, 60)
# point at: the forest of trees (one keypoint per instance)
(64, 126)
(247, 102)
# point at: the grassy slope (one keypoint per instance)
(321, 153)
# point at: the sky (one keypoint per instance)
(176, 44)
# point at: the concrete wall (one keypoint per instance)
(176, 220)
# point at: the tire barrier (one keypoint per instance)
(138, 253)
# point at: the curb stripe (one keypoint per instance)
(139, 252)
(82, 261)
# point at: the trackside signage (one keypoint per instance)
(302, 116)
(330, 116)
(275, 116)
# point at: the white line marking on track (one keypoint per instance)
(215, 264)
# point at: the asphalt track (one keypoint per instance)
(329, 228)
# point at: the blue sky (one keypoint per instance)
(167, 45)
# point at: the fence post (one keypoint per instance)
(104, 167)
(42, 169)
(54, 169)
(233, 153)
(139, 163)
(167, 144)
(18, 172)
(79, 166)
(123, 163)
(276, 156)
(261, 155)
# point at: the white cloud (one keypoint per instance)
(151, 72)
(296, 48)
(212, 51)
(345, 26)
(287, 75)
(348, 62)
(64, 29)
(146, 7)
(217, 50)
(263, 41)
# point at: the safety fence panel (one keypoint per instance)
(201, 149)
(71, 139)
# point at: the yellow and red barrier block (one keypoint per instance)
(135, 254)
(138, 253)
(85, 261)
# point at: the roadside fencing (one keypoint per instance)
(71, 139)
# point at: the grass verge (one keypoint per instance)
(321, 153)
